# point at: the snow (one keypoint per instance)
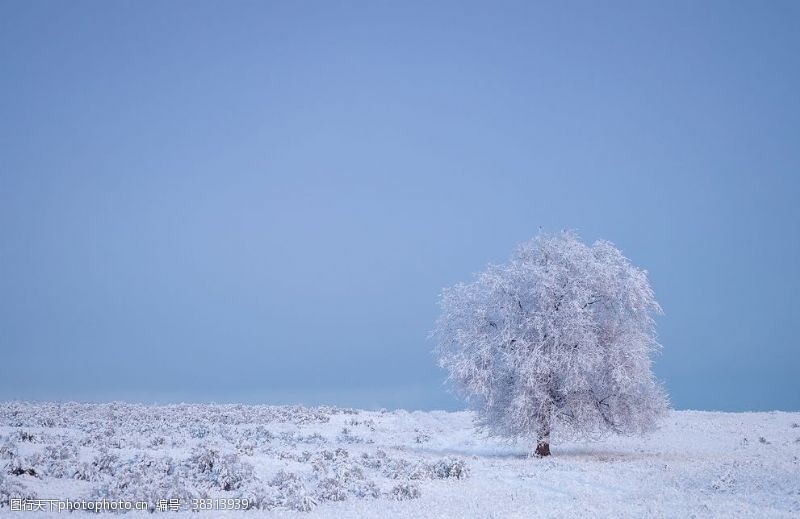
(303, 462)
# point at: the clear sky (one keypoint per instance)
(260, 201)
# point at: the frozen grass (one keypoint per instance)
(330, 462)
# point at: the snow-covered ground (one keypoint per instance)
(332, 462)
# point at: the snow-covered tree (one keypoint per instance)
(558, 340)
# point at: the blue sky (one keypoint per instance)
(260, 201)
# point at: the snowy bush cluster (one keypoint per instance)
(275, 457)
(289, 461)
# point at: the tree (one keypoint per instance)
(556, 341)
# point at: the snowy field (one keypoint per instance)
(333, 462)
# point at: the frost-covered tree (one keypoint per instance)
(558, 340)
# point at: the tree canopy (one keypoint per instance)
(558, 339)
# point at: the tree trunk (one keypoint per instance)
(542, 449)
(543, 434)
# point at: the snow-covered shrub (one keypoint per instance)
(144, 478)
(449, 467)
(24, 436)
(333, 455)
(343, 470)
(288, 438)
(142, 463)
(301, 457)
(400, 468)
(340, 476)
(292, 438)
(331, 489)
(223, 471)
(314, 439)
(364, 489)
(303, 415)
(199, 431)
(8, 450)
(144, 489)
(348, 475)
(347, 436)
(203, 459)
(258, 495)
(245, 447)
(291, 492)
(404, 491)
(262, 435)
(20, 467)
(373, 462)
(103, 464)
(368, 423)
(47, 421)
(421, 436)
(10, 488)
(58, 461)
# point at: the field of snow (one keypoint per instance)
(291, 461)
